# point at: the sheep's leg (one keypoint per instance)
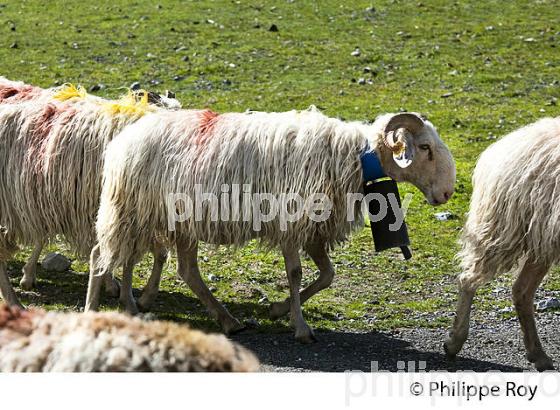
(112, 287)
(6, 289)
(150, 292)
(319, 255)
(460, 330)
(29, 270)
(126, 298)
(304, 334)
(524, 289)
(95, 281)
(187, 266)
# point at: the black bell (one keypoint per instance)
(384, 236)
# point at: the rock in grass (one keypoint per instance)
(251, 323)
(548, 303)
(444, 216)
(56, 262)
(96, 87)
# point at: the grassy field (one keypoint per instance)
(477, 70)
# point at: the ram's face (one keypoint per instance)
(167, 100)
(419, 156)
(432, 170)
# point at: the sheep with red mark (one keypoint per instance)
(39, 341)
(53, 142)
(305, 153)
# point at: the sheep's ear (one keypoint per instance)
(405, 156)
(398, 137)
(154, 98)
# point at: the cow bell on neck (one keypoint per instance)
(386, 231)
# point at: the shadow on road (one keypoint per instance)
(273, 343)
(340, 351)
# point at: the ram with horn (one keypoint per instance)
(297, 152)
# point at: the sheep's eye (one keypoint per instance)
(426, 147)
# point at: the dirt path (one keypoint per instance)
(496, 347)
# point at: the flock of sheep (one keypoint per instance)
(99, 173)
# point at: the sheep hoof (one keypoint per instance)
(232, 327)
(448, 353)
(542, 362)
(544, 365)
(27, 284)
(278, 309)
(306, 337)
(130, 307)
(113, 289)
(145, 301)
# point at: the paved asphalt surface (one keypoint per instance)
(496, 346)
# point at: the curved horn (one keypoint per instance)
(408, 121)
(411, 122)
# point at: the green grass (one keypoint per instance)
(496, 62)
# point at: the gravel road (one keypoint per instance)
(496, 346)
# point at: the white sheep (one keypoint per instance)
(293, 152)
(39, 341)
(51, 159)
(29, 270)
(513, 222)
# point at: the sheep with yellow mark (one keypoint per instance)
(53, 142)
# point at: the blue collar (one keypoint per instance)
(371, 166)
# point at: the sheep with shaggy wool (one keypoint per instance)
(52, 145)
(512, 224)
(305, 153)
(39, 341)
